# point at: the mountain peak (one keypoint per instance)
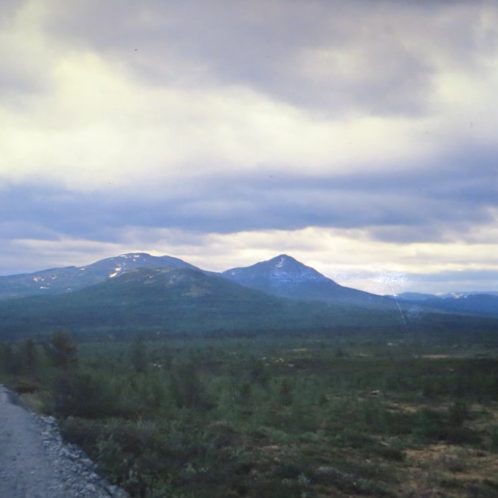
(285, 276)
(134, 255)
(282, 260)
(69, 279)
(282, 270)
(283, 256)
(113, 267)
(285, 264)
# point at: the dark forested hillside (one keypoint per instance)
(169, 300)
(172, 300)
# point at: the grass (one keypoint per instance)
(275, 416)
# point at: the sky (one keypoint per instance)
(358, 136)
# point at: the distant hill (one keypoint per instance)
(137, 291)
(69, 279)
(414, 296)
(468, 303)
(174, 299)
(189, 301)
(284, 276)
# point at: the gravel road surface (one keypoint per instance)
(35, 463)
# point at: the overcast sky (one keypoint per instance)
(360, 137)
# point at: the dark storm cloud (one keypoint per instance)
(332, 56)
(432, 204)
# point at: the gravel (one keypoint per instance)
(36, 463)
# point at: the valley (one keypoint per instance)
(267, 381)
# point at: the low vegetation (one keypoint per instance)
(287, 416)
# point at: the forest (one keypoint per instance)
(303, 415)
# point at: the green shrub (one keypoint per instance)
(186, 387)
(82, 432)
(82, 395)
(494, 438)
(24, 385)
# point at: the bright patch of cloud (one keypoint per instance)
(99, 129)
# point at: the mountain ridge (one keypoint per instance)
(284, 276)
(482, 304)
(166, 299)
(71, 278)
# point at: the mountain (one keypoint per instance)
(69, 279)
(284, 276)
(174, 300)
(414, 296)
(472, 293)
(137, 291)
(170, 300)
(468, 303)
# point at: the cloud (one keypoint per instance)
(443, 200)
(101, 123)
(332, 55)
(28, 255)
(100, 131)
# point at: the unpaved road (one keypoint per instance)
(35, 463)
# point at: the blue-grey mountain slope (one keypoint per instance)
(69, 279)
(468, 303)
(284, 276)
(414, 296)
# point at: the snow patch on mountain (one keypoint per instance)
(116, 272)
(286, 269)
